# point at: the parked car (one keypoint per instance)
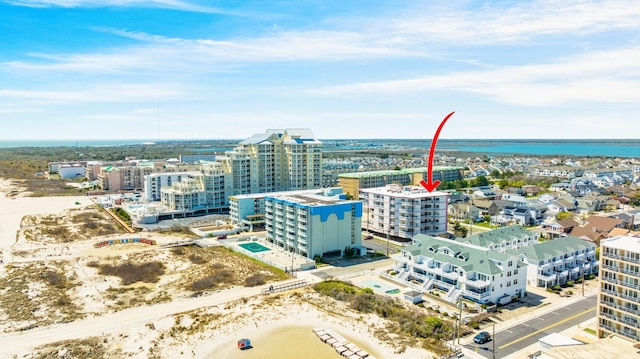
(368, 236)
(482, 338)
(222, 236)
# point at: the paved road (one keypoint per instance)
(380, 245)
(520, 336)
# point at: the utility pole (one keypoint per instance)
(460, 319)
(493, 340)
(388, 230)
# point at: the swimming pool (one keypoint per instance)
(380, 287)
(254, 247)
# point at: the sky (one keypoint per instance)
(196, 69)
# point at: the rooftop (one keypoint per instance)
(554, 248)
(395, 172)
(395, 190)
(631, 244)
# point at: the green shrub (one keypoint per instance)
(570, 283)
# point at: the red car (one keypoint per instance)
(222, 236)
(368, 236)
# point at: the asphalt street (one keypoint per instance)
(510, 340)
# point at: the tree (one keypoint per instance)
(481, 181)
(564, 215)
(495, 174)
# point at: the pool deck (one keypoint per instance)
(276, 256)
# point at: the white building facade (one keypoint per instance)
(313, 225)
(619, 296)
(404, 212)
(558, 261)
(461, 270)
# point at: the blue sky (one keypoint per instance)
(171, 69)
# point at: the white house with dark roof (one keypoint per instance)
(461, 270)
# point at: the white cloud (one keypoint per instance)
(167, 4)
(491, 23)
(609, 76)
(103, 93)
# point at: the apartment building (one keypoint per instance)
(248, 210)
(461, 270)
(313, 224)
(124, 178)
(404, 211)
(558, 261)
(503, 239)
(155, 182)
(352, 183)
(619, 296)
(186, 195)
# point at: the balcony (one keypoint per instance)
(610, 267)
(611, 255)
(478, 283)
(628, 309)
(547, 277)
(629, 284)
(610, 280)
(609, 304)
(630, 297)
(474, 295)
(630, 272)
(631, 259)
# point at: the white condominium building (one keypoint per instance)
(404, 212)
(313, 224)
(619, 297)
(461, 270)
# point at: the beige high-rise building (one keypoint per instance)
(619, 296)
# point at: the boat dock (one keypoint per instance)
(341, 345)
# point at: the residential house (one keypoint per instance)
(513, 215)
(485, 206)
(461, 270)
(464, 211)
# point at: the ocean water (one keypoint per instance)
(590, 147)
(609, 148)
(71, 143)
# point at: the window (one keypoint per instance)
(509, 284)
(515, 272)
(510, 263)
(509, 274)
(515, 281)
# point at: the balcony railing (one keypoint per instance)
(628, 309)
(631, 259)
(629, 284)
(630, 297)
(609, 304)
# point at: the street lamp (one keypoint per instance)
(583, 262)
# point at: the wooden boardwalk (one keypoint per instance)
(341, 345)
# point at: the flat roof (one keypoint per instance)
(395, 172)
(626, 243)
(404, 191)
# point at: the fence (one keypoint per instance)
(284, 287)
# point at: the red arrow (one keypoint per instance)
(431, 185)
